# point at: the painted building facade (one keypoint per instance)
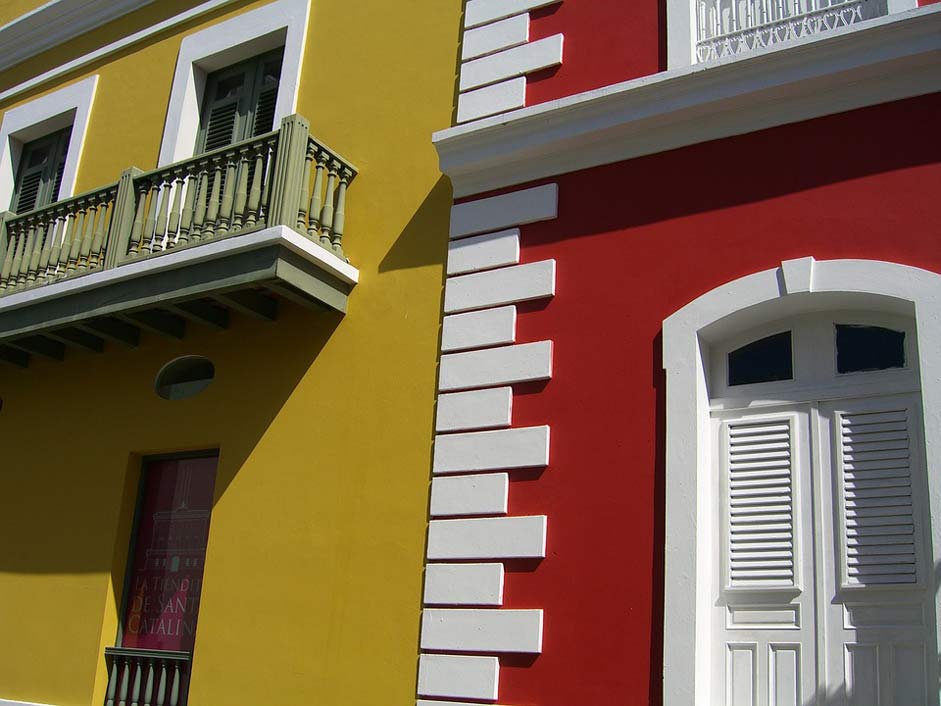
(247, 190)
(687, 422)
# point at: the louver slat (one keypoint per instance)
(220, 129)
(878, 521)
(264, 110)
(761, 527)
(28, 196)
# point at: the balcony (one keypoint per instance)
(146, 677)
(727, 28)
(235, 229)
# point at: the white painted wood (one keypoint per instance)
(488, 538)
(458, 676)
(798, 275)
(506, 285)
(477, 409)
(37, 118)
(478, 329)
(484, 252)
(282, 23)
(494, 366)
(470, 495)
(426, 702)
(505, 34)
(464, 584)
(482, 630)
(876, 61)
(490, 100)
(478, 12)
(510, 63)
(527, 447)
(539, 203)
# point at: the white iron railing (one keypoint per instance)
(732, 27)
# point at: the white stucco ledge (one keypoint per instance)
(889, 58)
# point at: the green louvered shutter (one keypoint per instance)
(42, 164)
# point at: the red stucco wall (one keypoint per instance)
(634, 242)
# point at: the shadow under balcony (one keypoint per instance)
(236, 229)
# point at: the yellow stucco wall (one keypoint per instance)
(313, 574)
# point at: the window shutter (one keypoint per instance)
(42, 165)
(225, 96)
(878, 521)
(28, 189)
(760, 504)
(263, 112)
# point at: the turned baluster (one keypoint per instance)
(36, 251)
(305, 187)
(8, 256)
(266, 183)
(21, 263)
(199, 215)
(75, 244)
(173, 226)
(326, 216)
(46, 254)
(87, 236)
(254, 194)
(149, 684)
(55, 252)
(162, 685)
(112, 683)
(225, 212)
(98, 246)
(339, 219)
(163, 216)
(175, 687)
(137, 230)
(150, 222)
(135, 690)
(316, 196)
(186, 218)
(212, 210)
(125, 682)
(66, 246)
(241, 191)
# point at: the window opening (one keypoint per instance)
(184, 377)
(42, 164)
(765, 360)
(866, 348)
(239, 101)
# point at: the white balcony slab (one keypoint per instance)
(458, 676)
(477, 329)
(484, 252)
(470, 495)
(477, 409)
(524, 362)
(464, 584)
(507, 285)
(491, 100)
(527, 447)
(539, 203)
(518, 61)
(482, 630)
(494, 37)
(488, 538)
(478, 12)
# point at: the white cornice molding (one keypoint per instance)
(56, 22)
(882, 60)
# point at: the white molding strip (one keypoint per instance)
(510, 63)
(880, 60)
(484, 252)
(538, 203)
(476, 329)
(56, 22)
(477, 409)
(98, 54)
(426, 702)
(478, 12)
(525, 362)
(458, 676)
(507, 285)
(470, 495)
(464, 584)
(488, 538)
(71, 105)
(524, 447)
(489, 100)
(8, 702)
(277, 24)
(482, 630)
(491, 38)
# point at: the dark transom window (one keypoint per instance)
(862, 348)
(765, 360)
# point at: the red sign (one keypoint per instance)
(169, 555)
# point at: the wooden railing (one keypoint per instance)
(284, 177)
(146, 677)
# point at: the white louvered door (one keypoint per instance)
(878, 586)
(764, 613)
(825, 596)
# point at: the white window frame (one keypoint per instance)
(54, 111)
(681, 29)
(794, 288)
(279, 24)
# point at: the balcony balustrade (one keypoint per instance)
(731, 27)
(102, 240)
(146, 677)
